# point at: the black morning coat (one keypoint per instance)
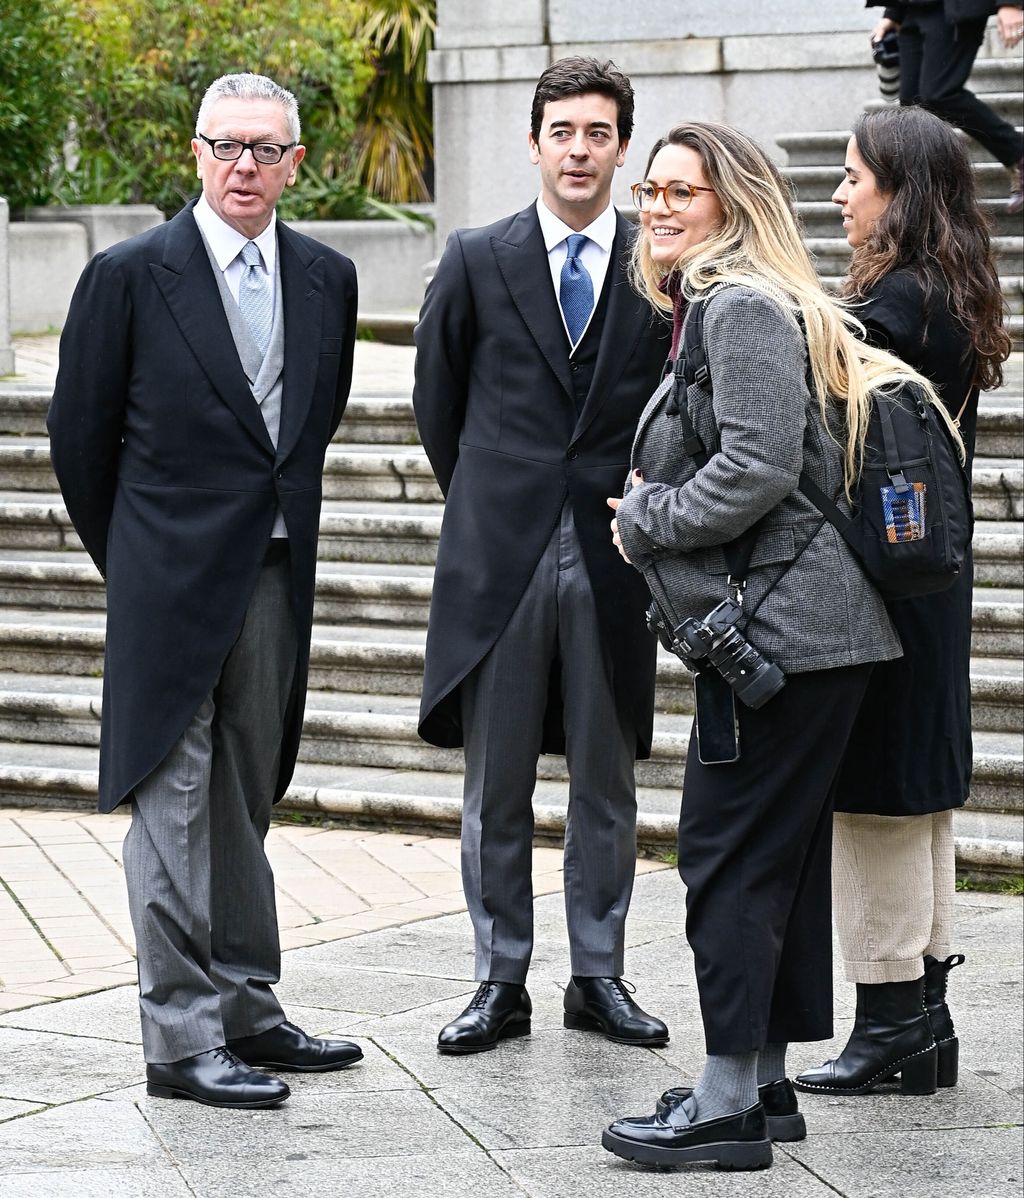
(171, 480)
(495, 409)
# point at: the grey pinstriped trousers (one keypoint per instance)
(200, 888)
(503, 703)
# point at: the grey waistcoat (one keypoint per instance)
(265, 375)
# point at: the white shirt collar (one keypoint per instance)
(554, 230)
(226, 243)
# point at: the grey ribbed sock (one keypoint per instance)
(727, 1085)
(771, 1062)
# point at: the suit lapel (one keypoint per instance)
(625, 319)
(185, 278)
(302, 282)
(523, 262)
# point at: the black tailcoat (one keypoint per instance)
(170, 477)
(495, 409)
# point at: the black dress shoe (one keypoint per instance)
(498, 1011)
(605, 1005)
(785, 1122)
(215, 1078)
(738, 1141)
(288, 1049)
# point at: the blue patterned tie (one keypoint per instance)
(255, 299)
(575, 289)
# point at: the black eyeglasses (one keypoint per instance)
(678, 195)
(267, 152)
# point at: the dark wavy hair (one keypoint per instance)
(932, 227)
(579, 77)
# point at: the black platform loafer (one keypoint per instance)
(606, 1005)
(287, 1048)
(785, 1122)
(499, 1010)
(738, 1141)
(215, 1078)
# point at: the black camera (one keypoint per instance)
(717, 641)
(886, 51)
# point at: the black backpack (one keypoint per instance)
(913, 518)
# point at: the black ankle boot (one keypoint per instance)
(936, 975)
(891, 1035)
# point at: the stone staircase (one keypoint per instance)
(360, 758)
(815, 163)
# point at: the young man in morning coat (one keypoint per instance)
(534, 360)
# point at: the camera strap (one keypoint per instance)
(691, 367)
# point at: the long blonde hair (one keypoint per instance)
(758, 245)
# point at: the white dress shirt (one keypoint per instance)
(226, 246)
(600, 234)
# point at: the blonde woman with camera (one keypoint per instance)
(788, 391)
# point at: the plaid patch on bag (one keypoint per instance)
(904, 513)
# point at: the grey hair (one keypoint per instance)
(249, 87)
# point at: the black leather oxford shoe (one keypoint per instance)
(215, 1078)
(498, 1011)
(605, 1005)
(785, 1122)
(288, 1049)
(738, 1141)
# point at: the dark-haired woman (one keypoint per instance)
(923, 282)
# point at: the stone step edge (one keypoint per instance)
(370, 808)
(668, 747)
(387, 327)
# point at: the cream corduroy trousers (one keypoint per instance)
(893, 881)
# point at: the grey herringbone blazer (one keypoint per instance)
(761, 428)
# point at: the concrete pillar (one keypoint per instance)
(6, 349)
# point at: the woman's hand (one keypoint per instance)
(1010, 20)
(636, 480)
(882, 28)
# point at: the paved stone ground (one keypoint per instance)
(64, 923)
(524, 1120)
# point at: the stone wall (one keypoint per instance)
(49, 250)
(45, 262)
(389, 256)
(6, 350)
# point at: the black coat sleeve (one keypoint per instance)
(445, 336)
(86, 416)
(893, 12)
(349, 298)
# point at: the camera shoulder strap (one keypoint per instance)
(691, 367)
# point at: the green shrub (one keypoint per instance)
(141, 67)
(394, 139)
(99, 97)
(34, 97)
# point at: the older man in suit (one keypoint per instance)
(204, 367)
(534, 360)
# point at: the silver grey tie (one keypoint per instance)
(255, 298)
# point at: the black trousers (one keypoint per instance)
(935, 62)
(755, 855)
